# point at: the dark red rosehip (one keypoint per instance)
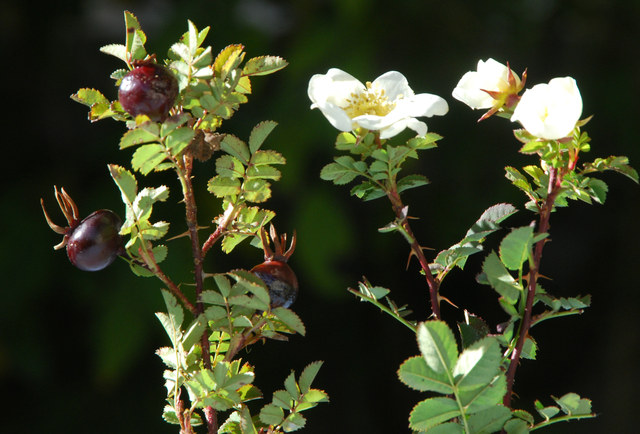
(148, 89)
(275, 272)
(93, 243)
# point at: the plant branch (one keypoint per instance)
(555, 181)
(416, 249)
(191, 211)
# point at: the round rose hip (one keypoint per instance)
(148, 89)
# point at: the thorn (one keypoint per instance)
(441, 297)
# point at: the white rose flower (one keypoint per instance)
(550, 111)
(482, 89)
(387, 105)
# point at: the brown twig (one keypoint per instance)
(416, 249)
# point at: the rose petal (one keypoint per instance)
(395, 85)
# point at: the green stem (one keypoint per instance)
(561, 419)
(384, 308)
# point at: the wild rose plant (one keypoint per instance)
(471, 379)
(173, 110)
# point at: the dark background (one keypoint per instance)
(77, 348)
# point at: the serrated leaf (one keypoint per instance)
(290, 319)
(490, 420)
(437, 345)
(178, 140)
(571, 404)
(222, 186)
(516, 426)
(291, 386)
(432, 412)
(259, 134)
(341, 171)
(268, 157)
(478, 364)
(271, 415)
(293, 422)
(136, 137)
(500, 279)
(263, 65)
(235, 147)
(90, 97)
(256, 190)
(308, 375)
(515, 248)
(263, 172)
(125, 181)
(411, 181)
(229, 166)
(117, 50)
(228, 59)
(415, 373)
(148, 157)
(486, 396)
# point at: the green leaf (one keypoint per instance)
(178, 140)
(500, 279)
(478, 364)
(125, 181)
(516, 426)
(342, 171)
(136, 137)
(490, 420)
(229, 167)
(259, 134)
(251, 283)
(308, 375)
(290, 319)
(263, 65)
(147, 157)
(431, 412)
(256, 190)
(472, 330)
(260, 158)
(236, 147)
(480, 398)
(263, 172)
(368, 190)
(411, 181)
(345, 141)
(222, 186)
(291, 386)
(90, 97)
(293, 422)
(415, 373)
(172, 321)
(515, 248)
(116, 50)
(135, 38)
(271, 415)
(438, 346)
(573, 405)
(228, 59)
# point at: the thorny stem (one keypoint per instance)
(398, 208)
(555, 181)
(191, 210)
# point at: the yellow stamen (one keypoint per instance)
(369, 102)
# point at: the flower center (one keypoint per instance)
(369, 102)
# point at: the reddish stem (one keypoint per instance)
(192, 225)
(555, 181)
(398, 208)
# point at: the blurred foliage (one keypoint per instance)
(94, 378)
